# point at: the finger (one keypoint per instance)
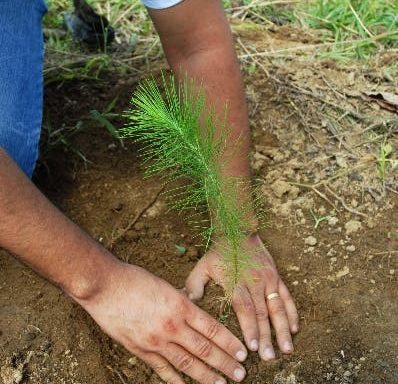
(290, 307)
(196, 281)
(266, 350)
(246, 314)
(161, 367)
(278, 316)
(206, 350)
(191, 366)
(217, 333)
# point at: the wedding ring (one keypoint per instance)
(273, 295)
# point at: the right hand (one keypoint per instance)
(161, 326)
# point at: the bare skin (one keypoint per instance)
(168, 332)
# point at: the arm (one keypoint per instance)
(197, 41)
(144, 313)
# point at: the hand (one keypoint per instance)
(249, 300)
(161, 326)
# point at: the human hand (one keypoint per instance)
(161, 326)
(249, 300)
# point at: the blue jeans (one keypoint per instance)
(21, 79)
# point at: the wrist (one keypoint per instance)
(97, 274)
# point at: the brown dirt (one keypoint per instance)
(345, 285)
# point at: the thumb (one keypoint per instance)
(196, 281)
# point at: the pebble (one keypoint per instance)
(280, 187)
(332, 221)
(310, 240)
(352, 226)
(345, 271)
(351, 248)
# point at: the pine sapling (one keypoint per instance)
(184, 139)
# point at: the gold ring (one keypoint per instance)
(273, 295)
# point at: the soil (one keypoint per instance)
(342, 274)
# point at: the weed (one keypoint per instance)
(319, 219)
(61, 138)
(384, 159)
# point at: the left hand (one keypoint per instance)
(249, 300)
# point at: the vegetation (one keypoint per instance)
(358, 27)
(183, 140)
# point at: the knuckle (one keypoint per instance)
(262, 314)
(153, 341)
(257, 275)
(247, 305)
(277, 309)
(271, 275)
(243, 305)
(161, 368)
(184, 362)
(169, 325)
(184, 306)
(227, 365)
(212, 329)
(204, 349)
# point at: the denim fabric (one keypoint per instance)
(21, 79)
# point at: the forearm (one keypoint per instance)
(42, 237)
(198, 43)
(202, 48)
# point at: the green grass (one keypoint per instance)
(358, 27)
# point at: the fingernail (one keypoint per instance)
(287, 346)
(269, 353)
(294, 328)
(254, 345)
(220, 381)
(191, 296)
(241, 355)
(239, 374)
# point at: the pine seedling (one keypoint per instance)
(183, 139)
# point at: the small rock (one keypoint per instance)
(351, 248)
(341, 162)
(258, 161)
(155, 210)
(285, 209)
(345, 271)
(280, 187)
(133, 361)
(333, 220)
(128, 372)
(192, 253)
(310, 240)
(352, 226)
(392, 271)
